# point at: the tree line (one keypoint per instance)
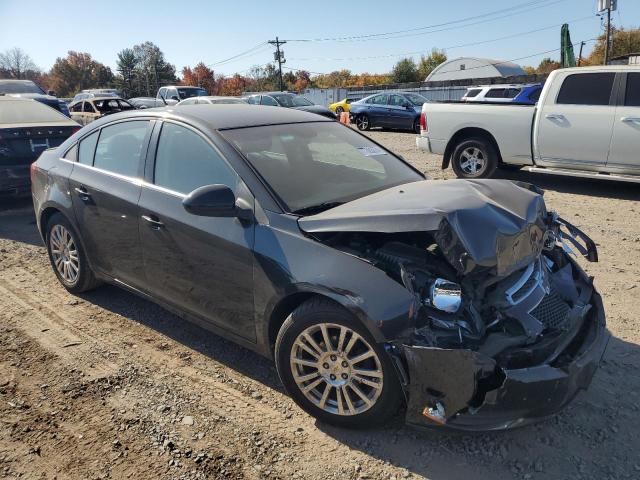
(142, 69)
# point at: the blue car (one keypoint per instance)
(399, 110)
(527, 94)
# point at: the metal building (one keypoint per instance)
(471, 67)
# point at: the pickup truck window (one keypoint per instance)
(632, 97)
(586, 89)
(495, 93)
(472, 93)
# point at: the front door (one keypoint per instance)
(624, 154)
(401, 112)
(105, 188)
(202, 265)
(574, 128)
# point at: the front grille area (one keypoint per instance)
(552, 311)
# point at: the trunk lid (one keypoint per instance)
(24, 144)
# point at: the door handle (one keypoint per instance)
(153, 221)
(82, 193)
(555, 116)
(630, 119)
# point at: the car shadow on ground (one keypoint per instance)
(575, 185)
(17, 221)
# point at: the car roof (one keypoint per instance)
(222, 116)
(12, 80)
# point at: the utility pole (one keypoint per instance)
(580, 55)
(278, 55)
(606, 46)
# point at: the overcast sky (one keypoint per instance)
(212, 31)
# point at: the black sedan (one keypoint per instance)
(289, 100)
(399, 110)
(309, 243)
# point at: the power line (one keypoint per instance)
(246, 52)
(443, 48)
(387, 35)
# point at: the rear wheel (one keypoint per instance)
(67, 256)
(416, 125)
(474, 158)
(362, 122)
(333, 368)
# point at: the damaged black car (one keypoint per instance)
(372, 288)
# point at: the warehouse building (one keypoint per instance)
(471, 67)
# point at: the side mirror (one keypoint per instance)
(173, 97)
(216, 201)
(409, 107)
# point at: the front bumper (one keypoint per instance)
(476, 394)
(15, 181)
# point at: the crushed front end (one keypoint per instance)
(518, 348)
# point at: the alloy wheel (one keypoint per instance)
(472, 161)
(336, 369)
(362, 122)
(65, 255)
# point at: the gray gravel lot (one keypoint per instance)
(107, 385)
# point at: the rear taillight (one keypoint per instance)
(423, 123)
(32, 171)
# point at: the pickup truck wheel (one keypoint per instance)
(474, 158)
(362, 122)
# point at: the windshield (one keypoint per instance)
(191, 92)
(29, 111)
(319, 163)
(20, 87)
(292, 101)
(415, 99)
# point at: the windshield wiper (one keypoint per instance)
(321, 207)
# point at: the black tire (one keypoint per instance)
(363, 123)
(85, 279)
(339, 110)
(487, 154)
(322, 311)
(416, 125)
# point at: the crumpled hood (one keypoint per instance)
(497, 224)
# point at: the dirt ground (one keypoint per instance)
(106, 385)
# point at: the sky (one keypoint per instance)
(321, 36)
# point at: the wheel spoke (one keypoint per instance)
(347, 397)
(325, 395)
(362, 357)
(305, 363)
(313, 343)
(343, 333)
(306, 378)
(359, 392)
(367, 373)
(313, 384)
(364, 381)
(339, 401)
(352, 342)
(328, 346)
(307, 349)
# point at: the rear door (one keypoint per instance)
(105, 187)
(624, 154)
(378, 110)
(89, 112)
(201, 265)
(76, 112)
(576, 121)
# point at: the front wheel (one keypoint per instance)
(339, 110)
(362, 122)
(333, 369)
(474, 158)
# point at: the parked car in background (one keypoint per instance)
(90, 109)
(341, 106)
(289, 100)
(313, 245)
(400, 110)
(29, 89)
(173, 94)
(93, 93)
(528, 94)
(146, 102)
(586, 124)
(27, 128)
(210, 100)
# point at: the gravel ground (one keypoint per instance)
(107, 385)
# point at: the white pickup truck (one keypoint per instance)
(586, 124)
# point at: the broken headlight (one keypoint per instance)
(445, 295)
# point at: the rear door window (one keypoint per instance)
(185, 161)
(120, 147)
(632, 97)
(586, 89)
(472, 93)
(495, 93)
(88, 107)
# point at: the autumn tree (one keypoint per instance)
(429, 63)
(547, 66)
(233, 86)
(405, 71)
(624, 42)
(16, 63)
(302, 80)
(76, 72)
(200, 76)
